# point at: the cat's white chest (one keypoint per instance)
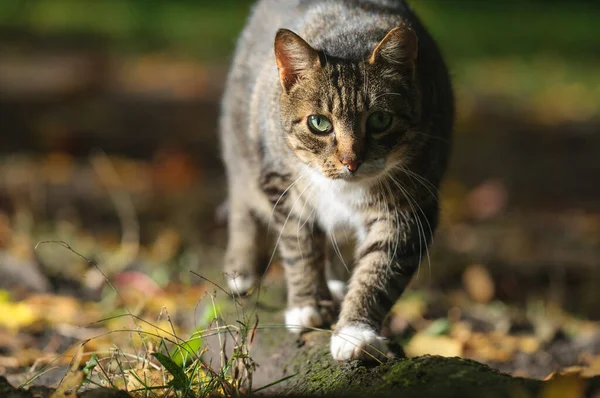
(337, 205)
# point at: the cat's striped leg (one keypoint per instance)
(309, 300)
(301, 247)
(386, 261)
(242, 250)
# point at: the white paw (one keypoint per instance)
(300, 318)
(337, 289)
(357, 341)
(240, 284)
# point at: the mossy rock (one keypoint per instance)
(307, 368)
(427, 376)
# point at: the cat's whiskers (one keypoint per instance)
(388, 223)
(280, 197)
(365, 81)
(310, 216)
(310, 184)
(337, 250)
(412, 203)
(419, 207)
(283, 228)
(425, 183)
(420, 231)
(414, 177)
(380, 185)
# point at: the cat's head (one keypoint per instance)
(350, 120)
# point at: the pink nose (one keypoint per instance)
(351, 165)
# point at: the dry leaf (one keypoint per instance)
(14, 316)
(55, 309)
(478, 283)
(423, 344)
(492, 346)
(411, 308)
(528, 344)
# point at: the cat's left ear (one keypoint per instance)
(294, 57)
(399, 48)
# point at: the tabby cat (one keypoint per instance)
(336, 113)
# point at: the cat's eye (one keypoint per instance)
(379, 121)
(319, 124)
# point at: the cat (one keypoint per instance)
(336, 113)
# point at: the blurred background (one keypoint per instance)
(108, 113)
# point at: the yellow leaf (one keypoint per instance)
(423, 344)
(14, 316)
(55, 309)
(528, 344)
(412, 308)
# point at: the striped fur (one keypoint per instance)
(346, 60)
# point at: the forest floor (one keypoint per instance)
(100, 262)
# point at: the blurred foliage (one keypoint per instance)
(471, 28)
(205, 29)
(208, 29)
(539, 57)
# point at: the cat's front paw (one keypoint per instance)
(358, 341)
(301, 318)
(240, 284)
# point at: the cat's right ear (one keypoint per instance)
(294, 57)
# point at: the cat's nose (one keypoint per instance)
(351, 164)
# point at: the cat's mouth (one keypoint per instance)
(345, 175)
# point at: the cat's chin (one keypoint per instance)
(347, 177)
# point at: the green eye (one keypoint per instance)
(379, 122)
(319, 124)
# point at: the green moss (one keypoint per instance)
(427, 376)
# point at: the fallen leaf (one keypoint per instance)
(14, 316)
(528, 344)
(492, 346)
(412, 308)
(478, 283)
(423, 344)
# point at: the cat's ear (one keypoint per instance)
(294, 57)
(399, 48)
